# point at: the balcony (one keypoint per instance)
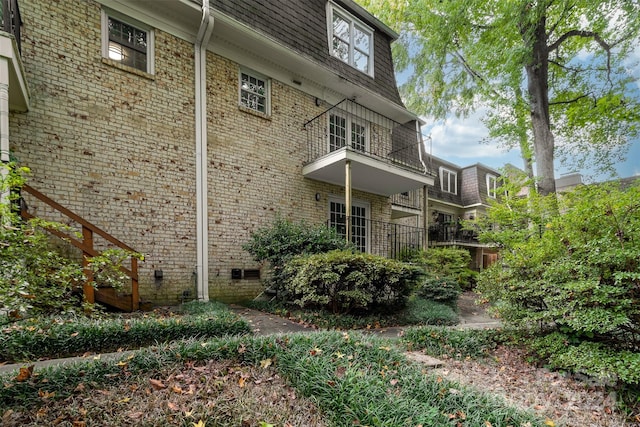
(11, 69)
(381, 238)
(384, 156)
(452, 234)
(406, 204)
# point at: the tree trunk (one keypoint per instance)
(538, 89)
(526, 151)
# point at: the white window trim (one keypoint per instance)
(359, 203)
(331, 6)
(449, 184)
(104, 18)
(492, 189)
(267, 80)
(350, 120)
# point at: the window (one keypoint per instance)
(127, 42)
(254, 91)
(448, 181)
(492, 185)
(346, 130)
(350, 40)
(359, 224)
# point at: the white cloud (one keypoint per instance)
(460, 141)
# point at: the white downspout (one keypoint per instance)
(4, 123)
(202, 229)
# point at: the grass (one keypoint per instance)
(324, 378)
(57, 337)
(350, 378)
(418, 312)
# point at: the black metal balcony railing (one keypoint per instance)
(382, 238)
(452, 233)
(409, 199)
(354, 127)
(10, 18)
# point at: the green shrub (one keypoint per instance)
(447, 262)
(445, 290)
(343, 281)
(457, 343)
(35, 278)
(589, 358)
(280, 241)
(420, 311)
(570, 266)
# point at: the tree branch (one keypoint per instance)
(570, 101)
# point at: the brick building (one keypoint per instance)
(180, 126)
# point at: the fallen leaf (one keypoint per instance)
(124, 400)
(46, 394)
(172, 406)
(24, 374)
(199, 424)
(157, 384)
(176, 389)
(549, 423)
(241, 382)
(265, 363)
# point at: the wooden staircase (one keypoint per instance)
(126, 301)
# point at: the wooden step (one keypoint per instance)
(111, 298)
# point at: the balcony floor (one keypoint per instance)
(368, 173)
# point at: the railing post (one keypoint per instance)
(88, 290)
(135, 295)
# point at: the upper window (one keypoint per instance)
(345, 130)
(492, 185)
(350, 40)
(448, 181)
(254, 91)
(127, 42)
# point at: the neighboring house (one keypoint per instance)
(459, 194)
(181, 126)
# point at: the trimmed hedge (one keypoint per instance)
(29, 340)
(344, 281)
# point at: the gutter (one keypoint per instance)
(202, 217)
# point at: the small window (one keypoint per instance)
(350, 40)
(448, 181)
(254, 91)
(492, 185)
(127, 42)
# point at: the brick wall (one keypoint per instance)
(114, 146)
(118, 148)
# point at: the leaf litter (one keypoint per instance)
(559, 399)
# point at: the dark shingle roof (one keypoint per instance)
(301, 25)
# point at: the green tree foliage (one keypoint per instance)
(545, 69)
(344, 281)
(570, 275)
(281, 240)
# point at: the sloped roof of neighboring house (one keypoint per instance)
(471, 183)
(301, 25)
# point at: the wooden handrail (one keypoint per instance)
(86, 245)
(94, 228)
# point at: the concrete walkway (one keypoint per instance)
(471, 316)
